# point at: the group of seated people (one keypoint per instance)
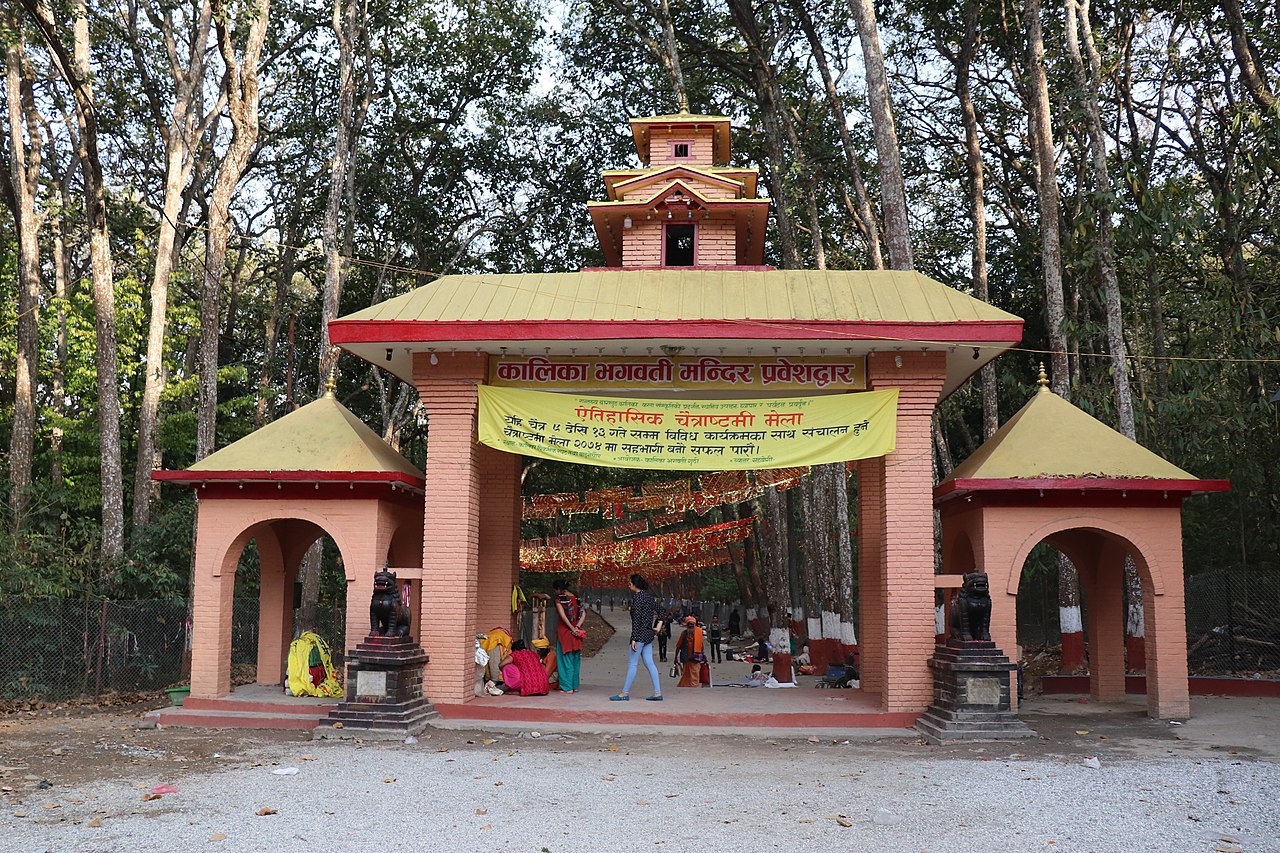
(523, 670)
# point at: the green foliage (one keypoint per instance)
(487, 126)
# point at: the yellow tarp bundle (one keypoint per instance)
(307, 651)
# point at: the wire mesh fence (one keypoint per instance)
(1233, 624)
(1233, 621)
(57, 649)
(61, 649)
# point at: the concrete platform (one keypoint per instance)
(805, 707)
(251, 706)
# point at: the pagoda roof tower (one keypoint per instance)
(686, 207)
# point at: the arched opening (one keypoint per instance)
(1091, 611)
(267, 609)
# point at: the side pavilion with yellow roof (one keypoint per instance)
(316, 471)
(1054, 474)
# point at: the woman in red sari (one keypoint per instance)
(569, 636)
(521, 670)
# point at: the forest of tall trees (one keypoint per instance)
(193, 187)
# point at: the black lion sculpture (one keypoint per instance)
(971, 609)
(390, 618)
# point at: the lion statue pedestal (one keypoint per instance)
(971, 696)
(384, 672)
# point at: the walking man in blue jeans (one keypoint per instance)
(644, 626)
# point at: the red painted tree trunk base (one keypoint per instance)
(1072, 652)
(1135, 649)
(782, 668)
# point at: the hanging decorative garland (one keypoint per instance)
(717, 489)
(662, 548)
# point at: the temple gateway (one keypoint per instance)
(686, 309)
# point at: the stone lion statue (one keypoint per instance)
(971, 609)
(389, 617)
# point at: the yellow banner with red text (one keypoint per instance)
(689, 435)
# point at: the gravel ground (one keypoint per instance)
(502, 792)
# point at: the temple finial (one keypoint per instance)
(683, 100)
(331, 384)
(1043, 379)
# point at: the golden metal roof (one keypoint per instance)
(1050, 438)
(320, 436)
(687, 295)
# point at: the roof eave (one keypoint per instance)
(965, 486)
(196, 478)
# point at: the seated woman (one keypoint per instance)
(543, 648)
(521, 670)
(756, 679)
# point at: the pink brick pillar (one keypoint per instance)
(1166, 628)
(870, 587)
(500, 543)
(906, 532)
(215, 573)
(450, 556)
(275, 607)
(1104, 615)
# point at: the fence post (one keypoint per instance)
(102, 647)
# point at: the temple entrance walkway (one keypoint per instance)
(802, 707)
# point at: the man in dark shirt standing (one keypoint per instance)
(714, 636)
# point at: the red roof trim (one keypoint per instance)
(193, 477)
(742, 267)
(398, 331)
(1094, 484)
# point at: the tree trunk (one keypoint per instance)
(748, 24)
(1251, 74)
(184, 128)
(24, 177)
(893, 197)
(844, 556)
(263, 408)
(864, 216)
(814, 534)
(73, 67)
(665, 50)
(241, 85)
(335, 268)
(963, 61)
(1089, 80)
(1047, 195)
(61, 279)
(1071, 625)
(758, 616)
(771, 527)
(671, 60)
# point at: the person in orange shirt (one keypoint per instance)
(690, 653)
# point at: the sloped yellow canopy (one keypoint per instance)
(1050, 438)
(323, 436)
(684, 295)
(736, 311)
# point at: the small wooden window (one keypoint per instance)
(680, 150)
